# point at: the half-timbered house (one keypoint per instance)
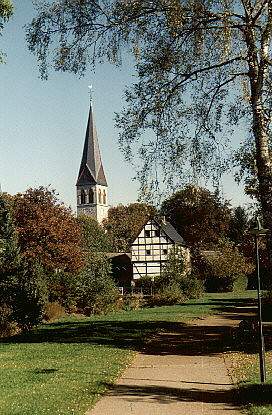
(150, 250)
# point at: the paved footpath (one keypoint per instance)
(189, 378)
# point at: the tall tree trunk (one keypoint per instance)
(263, 166)
(258, 71)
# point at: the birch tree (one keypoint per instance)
(203, 71)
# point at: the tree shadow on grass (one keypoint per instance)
(152, 337)
(255, 394)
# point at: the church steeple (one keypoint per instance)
(91, 183)
(91, 168)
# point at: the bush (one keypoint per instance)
(192, 287)
(223, 266)
(53, 311)
(133, 301)
(7, 326)
(95, 289)
(145, 282)
(168, 295)
(175, 277)
(30, 298)
(61, 289)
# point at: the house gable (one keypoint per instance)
(150, 249)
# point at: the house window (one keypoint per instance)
(91, 196)
(147, 234)
(157, 233)
(82, 197)
(148, 252)
(165, 251)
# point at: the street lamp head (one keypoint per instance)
(258, 230)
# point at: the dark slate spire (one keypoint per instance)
(91, 170)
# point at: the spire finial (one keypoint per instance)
(91, 93)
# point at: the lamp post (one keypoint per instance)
(152, 284)
(259, 231)
(132, 286)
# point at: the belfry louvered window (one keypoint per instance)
(83, 197)
(91, 196)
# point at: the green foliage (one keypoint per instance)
(22, 284)
(53, 311)
(125, 222)
(9, 249)
(145, 282)
(174, 269)
(7, 326)
(61, 288)
(133, 302)
(10, 261)
(94, 237)
(6, 9)
(31, 296)
(199, 215)
(223, 266)
(95, 289)
(239, 225)
(176, 277)
(169, 294)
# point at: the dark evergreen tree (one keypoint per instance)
(239, 224)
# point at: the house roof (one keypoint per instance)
(112, 255)
(91, 168)
(172, 233)
(168, 229)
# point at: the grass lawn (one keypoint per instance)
(63, 367)
(245, 369)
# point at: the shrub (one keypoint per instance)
(61, 289)
(95, 289)
(133, 301)
(192, 287)
(146, 284)
(7, 326)
(223, 266)
(31, 296)
(176, 275)
(53, 311)
(168, 295)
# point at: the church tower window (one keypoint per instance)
(99, 196)
(82, 197)
(91, 196)
(104, 197)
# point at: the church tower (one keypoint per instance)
(92, 188)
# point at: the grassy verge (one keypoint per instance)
(257, 399)
(63, 367)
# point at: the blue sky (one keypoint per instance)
(42, 123)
